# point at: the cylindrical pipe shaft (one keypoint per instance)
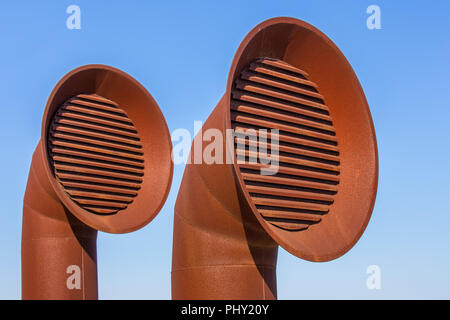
(59, 258)
(220, 251)
(238, 276)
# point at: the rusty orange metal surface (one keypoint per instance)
(231, 218)
(103, 163)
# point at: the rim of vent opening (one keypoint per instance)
(272, 94)
(96, 154)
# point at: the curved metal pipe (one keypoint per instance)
(103, 163)
(229, 219)
(52, 241)
(220, 250)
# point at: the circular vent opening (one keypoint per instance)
(271, 94)
(96, 154)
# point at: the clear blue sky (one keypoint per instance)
(181, 52)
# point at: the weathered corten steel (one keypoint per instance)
(230, 218)
(103, 163)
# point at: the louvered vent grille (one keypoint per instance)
(96, 154)
(271, 94)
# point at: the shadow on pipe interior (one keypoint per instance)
(292, 92)
(103, 163)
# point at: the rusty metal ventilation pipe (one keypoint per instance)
(230, 218)
(103, 163)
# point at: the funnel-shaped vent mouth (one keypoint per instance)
(98, 127)
(272, 94)
(96, 153)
